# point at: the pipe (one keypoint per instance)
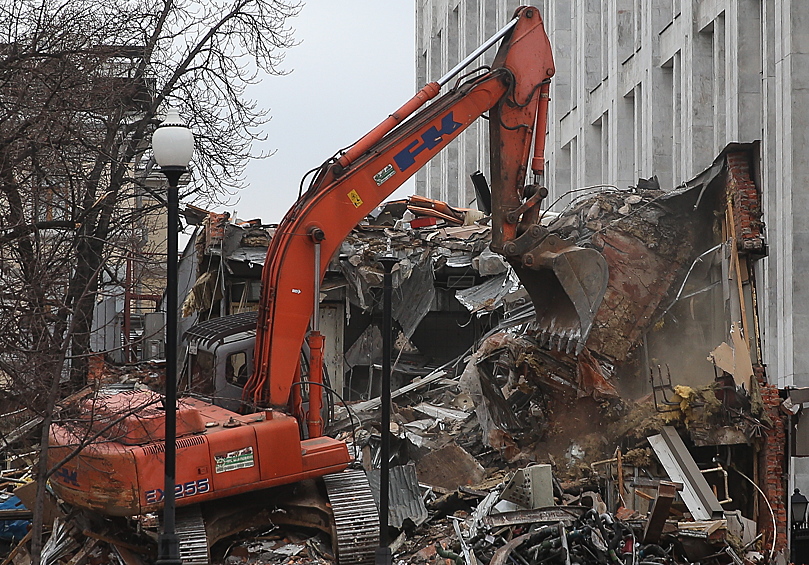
(127, 346)
(427, 93)
(769, 506)
(314, 421)
(720, 469)
(477, 52)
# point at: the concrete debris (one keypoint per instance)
(449, 467)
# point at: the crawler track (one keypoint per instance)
(191, 531)
(356, 518)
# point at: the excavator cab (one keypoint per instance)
(219, 358)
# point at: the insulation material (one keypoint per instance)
(204, 292)
(734, 360)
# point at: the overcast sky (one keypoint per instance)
(354, 65)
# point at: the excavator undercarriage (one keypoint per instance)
(231, 466)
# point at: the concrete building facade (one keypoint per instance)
(660, 87)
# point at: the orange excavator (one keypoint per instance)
(223, 453)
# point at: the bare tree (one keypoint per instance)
(82, 87)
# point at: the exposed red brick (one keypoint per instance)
(746, 203)
(772, 465)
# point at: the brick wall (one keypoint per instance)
(746, 202)
(772, 466)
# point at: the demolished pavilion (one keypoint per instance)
(664, 424)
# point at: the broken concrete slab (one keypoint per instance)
(449, 467)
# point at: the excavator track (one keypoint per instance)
(190, 530)
(356, 518)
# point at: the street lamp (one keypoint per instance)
(172, 145)
(383, 552)
(799, 504)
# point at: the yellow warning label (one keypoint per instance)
(355, 198)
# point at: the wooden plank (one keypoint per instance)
(660, 512)
(16, 514)
(106, 539)
(84, 553)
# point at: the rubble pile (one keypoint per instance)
(513, 449)
(468, 483)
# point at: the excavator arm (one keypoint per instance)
(515, 92)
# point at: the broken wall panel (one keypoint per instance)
(772, 466)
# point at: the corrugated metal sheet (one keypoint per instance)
(412, 300)
(255, 255)
(404, 495)
(489, 295)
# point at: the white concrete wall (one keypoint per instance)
(659, 87)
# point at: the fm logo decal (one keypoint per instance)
(68, 476)
(429, 140)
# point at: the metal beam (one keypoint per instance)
(681, 468)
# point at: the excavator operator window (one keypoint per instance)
(202, 373)
(236, 368)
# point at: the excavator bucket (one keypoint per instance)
(566, 283)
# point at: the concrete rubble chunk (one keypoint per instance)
(449, 467)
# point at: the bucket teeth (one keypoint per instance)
(566, 341)
(572, 342)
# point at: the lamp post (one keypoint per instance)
(799, 503)
(383, 553)
(172, 145)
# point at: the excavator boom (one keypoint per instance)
(515, 92)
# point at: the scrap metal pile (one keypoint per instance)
(580, 507)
